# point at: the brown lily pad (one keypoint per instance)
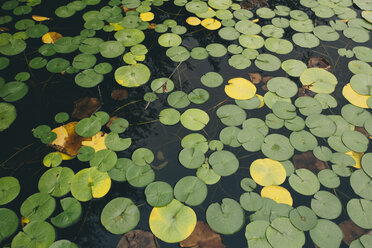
(203, 237)
(119, 94)
(309, 161)
(318, 62)
(67, 140)
(85, 107)
(138, 239)
(255, 77)
(351, 231)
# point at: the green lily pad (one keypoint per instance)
(326, 234)
(211, 79)
(178, 99)
(13, 91)
(129, 36)
(88, 78)
(308, 105)
(115, 143)
(355, 115)
(88, 127)
(227, 218)
(120, 215)
(38, 207)
(90, 182)
(303, 141)
(140, 176)
(119, 125)
(267, 62)
(251, 41)
(133, 75)
(71, 213)
(224, 163)
(282, 86)
(303, 218)
(281, 231)
(194, 119)
(198, 96)
(35, 234)
(118, 173)
(284, 110)
(362, 84)
(169, 116)
(191, 158)
(257, 124)
(320, 125)
(63, 243)
(190, 190)
(251, 201)
(196, 141)
(277, 147)
(304, 182)
(142, 156)
(359, 211)
(178, 53)
(9, 189)
(305, 40)
(326, 33)
(207, 174)
(169, 40)
(295, 124)
(361, 184)
(273, 122)
(251, 139)
(56, 181)
(326, 205)
(104, 160)
(159, 194)
(328, 178)
(231, 115)
(319, 80)
(8, 223)
(13, 47)
(279, 46)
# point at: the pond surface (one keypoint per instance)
(22, 154)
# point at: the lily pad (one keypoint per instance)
(194, 119)
(304, 182)
(360, 212)
(71, 213)
(224, 163)
(8, 223)
(9, 189)
(277, 147)
(227, 218)
(190, 190)
(303, 218)
(120, 215)
(326, 205)
(267, 172)
(56, 181)
(35, 234)
(159, 194)
(38, 207)
(326, 234)
(281, 231)
(132, 75)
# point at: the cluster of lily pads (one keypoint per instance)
(294, 124)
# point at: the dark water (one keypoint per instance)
(21, 154)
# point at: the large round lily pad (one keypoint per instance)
(173, 222)
(224, 163)
(35, 234)
(190, 190)
(159, 194)
(281, 231)
(227, 218)
(120, 215)
(8, 223)
(132, 75)
(194, 119)
(38, 207)
(319, 80)
(56, 181)
(267, 172)
(9, 189)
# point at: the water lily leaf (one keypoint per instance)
(281, 231)
(120, 215)
(303, 141)
(9, 188)
(8, 223)
(63, 243)
(320, 125)
(355, 115)
(359, 212)
(355, 141)
(255, 233)
(319, 80)
(178, 53)
(97, 142)
(216, 50)
(278, 194)
(162, 85)
(50, 37)
(279, 46)
(224, 163)
(239, 61)
(194, 119)
(361, 52)
(115, 143)
(13, 91)
(7, 115)
(133, 75)
(303, 218)
(326, 205)
(304, 182)
(118, 172)
(199, 53)
(207, 174)
(198, 96)
(305, 40)
(363, 241)
(191, 158)
(267, 62)
(251, 41)
(169, 116)
(193, 20)
(247, 27)
(277, 147)
(250, 138)
(90, 182)
(104, 160)
(326, 233)
(159, 194)
(231, 115)
(38, 207)
(71, 213)
(361, 184)
(140, 176)
(119, 125)
(327, 101)
(178, 99)
(240, 89)
(295, 124)
(328, 178)
(284, 110)
(227, 218)
(190, 190)
(56, 181)
(282, 86)
(211, 23)
(274, 122)
(173, 222)
(326, 33)
(211, 79)
(308, 105)
(353, 97)
(202, 236)
(265, 13)
(142, 156)
(169, 40)
(129, 36)
(359, 67)
(253, 103)
(267, 172)
(35, 234)
(251, 201)
(88, 127)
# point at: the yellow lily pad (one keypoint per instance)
(147, 16)
(240, 89)
(355, 98)
(193, 21)
(97, 142)
(357, 156)
(211, 23)
(267, 172)
(278, 194)
(173, 222)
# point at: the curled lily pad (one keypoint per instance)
(173, 222)
(120, 215)
(71, 213)
(227, 218)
